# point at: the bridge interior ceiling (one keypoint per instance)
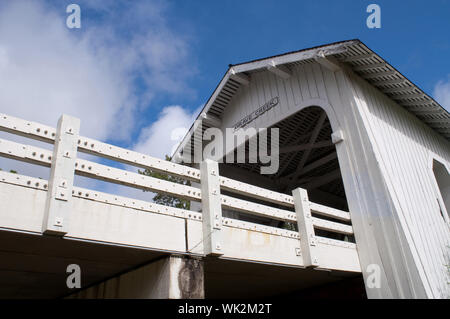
(307, 158)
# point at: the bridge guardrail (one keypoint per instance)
(296, 208)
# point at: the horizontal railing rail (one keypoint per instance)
(295, 208)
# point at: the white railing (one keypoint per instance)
(64, 163)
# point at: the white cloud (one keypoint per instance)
(106, 73)
(163, 136)
(441, 93)
(47, 69)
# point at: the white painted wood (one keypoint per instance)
(240, 77)
(329, 212)
(211, 208)
(212, 120)
(329, 62)
(58, 206)
(108, 218)
(383, 164)
(95, 221)
(402, 153)
(279, 70)
(305, 226)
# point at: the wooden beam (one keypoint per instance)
(242, 78)
(433, 110)
(378, 74)
(316, 195)
(386, 82)
(369, 66)
(427, 103)
(358, 57)
(211, 119)
(303, 147)
(297, 140)
(327, 61)
(317, 163)
(312, 140)
(445, 120)
(316, 182)
(280, 70)
(407, 96)
(397, 90)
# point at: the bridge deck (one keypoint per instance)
(85, 220)
(117, 222)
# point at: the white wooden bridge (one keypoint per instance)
(48, 224)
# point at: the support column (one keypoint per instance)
(59, 195)
(305, 226)
(172, 277)
(211, 208)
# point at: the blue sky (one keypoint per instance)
(414, 37)
(137, 72)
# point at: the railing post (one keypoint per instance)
(305, 226)
(59, 195)
(211, 207)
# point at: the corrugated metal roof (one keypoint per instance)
(362, 60)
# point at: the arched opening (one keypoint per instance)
(307, 159)
(442, 178)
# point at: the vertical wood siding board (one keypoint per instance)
(303, 82)
(283, 89)
(331, 94)
(273, 92)
(281, 108)
(311, 81)
(433, 238)
(254, 97)
(423, 181)
(289, 92)
(269, 85)
(396, 259)
(438, 228)
(368, 250)
(238, 100)
(269, 115)
(234, 111)
(431, 208)
(401, 217)
(396, 160)
(246, 104)
(424, 140)
(382, 224)
(439, 145)
(291, 87)
(393, 156)
(295, 81)
(319, 80)
(261, 98)
(259, 92)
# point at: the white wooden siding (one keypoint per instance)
(384, 163)
(402, 144)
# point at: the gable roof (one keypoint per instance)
(353, 53)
